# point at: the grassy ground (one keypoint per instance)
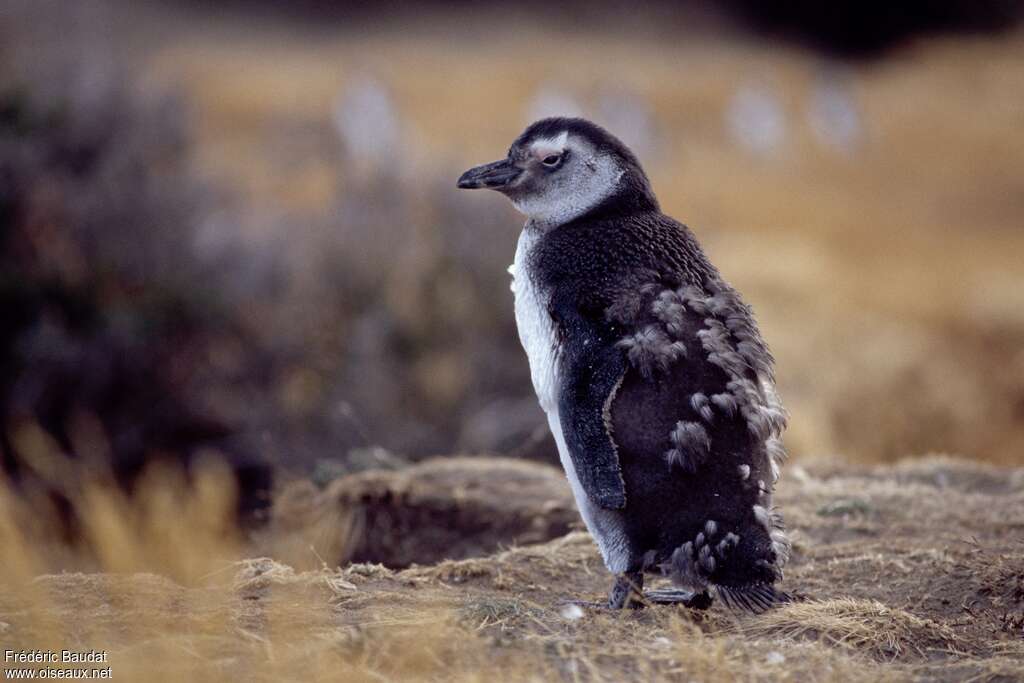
(906, 572)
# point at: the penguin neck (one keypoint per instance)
(633, 196)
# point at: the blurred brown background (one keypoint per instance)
(234, 225)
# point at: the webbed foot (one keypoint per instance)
(678, 596)
(628, 593)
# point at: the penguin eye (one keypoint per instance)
(551, 160)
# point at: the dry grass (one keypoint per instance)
(861, 625)
(426, 513)
(891, 592)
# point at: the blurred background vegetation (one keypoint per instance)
(231, 227)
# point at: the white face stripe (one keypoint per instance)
(543, 147)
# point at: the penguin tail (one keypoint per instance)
(703, 564)
(754, 598)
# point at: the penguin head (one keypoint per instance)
(562, 168)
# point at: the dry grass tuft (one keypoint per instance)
(866, 626)
(441, 509)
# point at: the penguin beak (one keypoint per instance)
(494, 175)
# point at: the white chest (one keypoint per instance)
(536, 330)
(537, 334)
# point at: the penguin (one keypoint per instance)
(658, 387)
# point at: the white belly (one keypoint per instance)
(537, 335)
(536, 331)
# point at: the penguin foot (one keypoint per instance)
(678, 596)
(627, 591)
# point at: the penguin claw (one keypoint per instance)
(669, 596)
(626, 592)
(677, 596)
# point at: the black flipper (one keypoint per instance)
(591, 369)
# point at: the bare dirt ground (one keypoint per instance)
(907, 572)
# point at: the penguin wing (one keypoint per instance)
(699, 380)
(650, 373)
(591, 369)
(655, 350)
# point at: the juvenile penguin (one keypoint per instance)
(657, 385)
